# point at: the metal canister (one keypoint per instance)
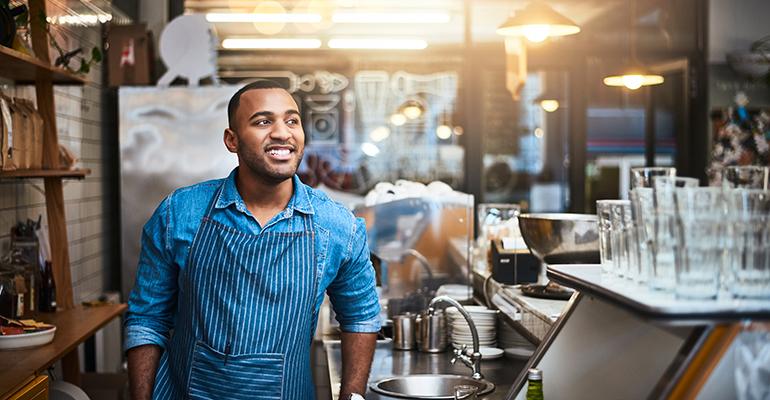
(404, 331)
(432, 332)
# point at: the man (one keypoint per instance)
(232, 273)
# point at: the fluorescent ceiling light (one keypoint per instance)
(82, 19)
(348, 17)
(253, 43)
(265, 17)
(378, 43)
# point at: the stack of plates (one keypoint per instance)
(485, 321)
(509, 337)
(457, 292)
(516, 346)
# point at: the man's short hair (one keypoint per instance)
(235, 101)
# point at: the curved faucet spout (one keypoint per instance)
(421, 260)
(472, 360)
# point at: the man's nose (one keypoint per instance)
(280, 131)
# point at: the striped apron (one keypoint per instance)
(245, 316)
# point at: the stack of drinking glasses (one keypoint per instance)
(674, 236)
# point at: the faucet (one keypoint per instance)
(421, 259)
(472, 359)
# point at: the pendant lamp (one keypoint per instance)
(537, 22)
(548, 101)
(635, 74)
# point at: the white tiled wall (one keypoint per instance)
(79, 126)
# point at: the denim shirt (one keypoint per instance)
(342, 255)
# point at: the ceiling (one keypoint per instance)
(486, 15)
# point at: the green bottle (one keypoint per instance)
(535, 386)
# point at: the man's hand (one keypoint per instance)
(142, 366)
(357, 353)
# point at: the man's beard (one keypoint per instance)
(261, 168)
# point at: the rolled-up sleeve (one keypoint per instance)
(152, 302)
(352, 292)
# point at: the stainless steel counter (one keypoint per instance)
(388, 362)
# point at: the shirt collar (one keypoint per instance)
(300, 199)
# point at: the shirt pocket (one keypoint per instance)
(214, 375)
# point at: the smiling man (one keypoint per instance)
(233, 271)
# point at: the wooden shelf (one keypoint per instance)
(46, 173)
(73, 327)
(24, 69)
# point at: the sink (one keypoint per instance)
(428, 386)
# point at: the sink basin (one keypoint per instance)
(428, 386)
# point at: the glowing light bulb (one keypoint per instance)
(379, 134)
(398, 119)
(632, 82)
(536, 33)
(370, 149)
(539, 133)
(443, 132)
(412, 112)
(549, 105)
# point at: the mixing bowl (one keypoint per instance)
(562, 238)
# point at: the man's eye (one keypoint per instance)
(262, 122)
(293, 121)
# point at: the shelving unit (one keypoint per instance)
(23, 69)
(74, 324)
(619, 340)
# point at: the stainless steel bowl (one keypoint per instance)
(562, 238)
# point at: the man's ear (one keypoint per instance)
(231, 140)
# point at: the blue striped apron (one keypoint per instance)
(245, 317)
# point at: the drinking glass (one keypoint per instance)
(603, 211)
(739, 177)
(746, 177)
(699, 241)
(642, 177)
(643, 210)
(620, 221)
(662, 273)
(749, 253)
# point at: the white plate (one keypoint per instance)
(24, 340)
(519, 353)
(481, 310)
(490, 353)
(468, 334)
(481, 337)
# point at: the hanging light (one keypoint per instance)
(548, 101)
(537, 22)
(412, 109)
(634, 75)
(398, 119)
(443, 131)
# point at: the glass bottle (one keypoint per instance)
(8, 296)
(535, 385)
(47, 293)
